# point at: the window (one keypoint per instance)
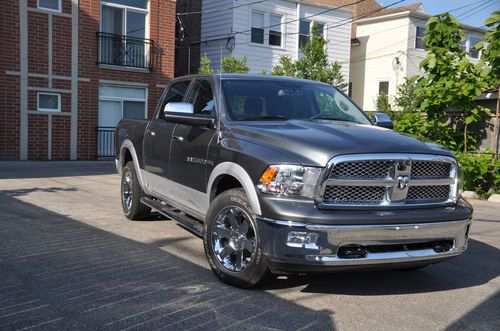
(117, 102)
(123, 33)
(52, 5)
(279, 100)
(305, 28)
(473, 53)
(275, 30)
(202, 98)
(176, 92)
(257, 28)
(49, 101)
(349, 91)
(419, 42)
(383, 87)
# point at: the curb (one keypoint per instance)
(494, 198)
(470, 195)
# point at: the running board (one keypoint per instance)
(187, 222)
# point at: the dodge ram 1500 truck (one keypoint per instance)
(282, 175)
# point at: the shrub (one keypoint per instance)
(481, 172)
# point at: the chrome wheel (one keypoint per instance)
(233, 239)
(127, 186)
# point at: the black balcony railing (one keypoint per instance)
(127, 51)
(105, 141)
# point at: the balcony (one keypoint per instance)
(125, 51)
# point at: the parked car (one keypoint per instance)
(282, 175)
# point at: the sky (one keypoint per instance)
(474, 13)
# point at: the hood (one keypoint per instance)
(315, 143)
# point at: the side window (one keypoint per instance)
(175, 93)
(202, 98)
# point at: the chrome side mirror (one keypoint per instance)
(382, 120)
(183, 113)
(178, 107)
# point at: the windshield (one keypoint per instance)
(278, 100)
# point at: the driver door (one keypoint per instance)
(157, 140)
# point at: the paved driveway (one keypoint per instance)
(69, 259)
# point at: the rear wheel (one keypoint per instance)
(131, 193)
(231, 241)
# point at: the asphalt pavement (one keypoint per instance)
(70, 260)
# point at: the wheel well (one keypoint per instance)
(126, 157)
(223, 183)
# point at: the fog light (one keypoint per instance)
(302, 239)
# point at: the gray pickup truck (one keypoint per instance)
(281, 175)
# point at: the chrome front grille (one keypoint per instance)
(430, 169)
(387, 180)
(361, 169)
(426, 194)
(354, 195)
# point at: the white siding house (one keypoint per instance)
(388, 49)
(265, 31)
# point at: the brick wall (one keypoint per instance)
(161, 19)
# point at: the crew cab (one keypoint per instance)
(281, 175)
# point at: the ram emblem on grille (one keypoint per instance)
(403, 182)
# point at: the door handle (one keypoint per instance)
(151, 133)
(177, 138)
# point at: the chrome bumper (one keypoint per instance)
(332, 237)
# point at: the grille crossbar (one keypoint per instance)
(388, 180)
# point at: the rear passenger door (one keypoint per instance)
(157, 140)
(188, 163)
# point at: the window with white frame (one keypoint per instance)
(305, 29)
(275, 29)
(257, 28)
(473, 52)
(52, 5)
(48, 101)
(419, 41)
(117, 102)
(383, 87)
(123, 32)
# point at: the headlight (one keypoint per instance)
(458, 184)
(289, 180)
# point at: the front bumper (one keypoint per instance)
(386, 245)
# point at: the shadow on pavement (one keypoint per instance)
(23, 192)
(477, 266)
(58, 273)
(486, 316)
(45, 169)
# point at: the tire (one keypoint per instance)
(232, 245)
(131, 194)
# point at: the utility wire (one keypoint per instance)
(219, 10)
(220, 37)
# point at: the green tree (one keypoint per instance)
(313, 64)
(230, 64)
(450, 80)
(408, 98)
(205, 65)
(382, 104)
(490, 57)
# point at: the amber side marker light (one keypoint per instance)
(268, 176)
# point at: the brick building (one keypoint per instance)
(71, 69)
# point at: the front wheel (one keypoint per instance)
(231, 241)
(131, 193)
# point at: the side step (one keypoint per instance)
(187, 222)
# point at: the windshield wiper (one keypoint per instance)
(267, 117)
(329, 117)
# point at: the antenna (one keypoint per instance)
(219, 98)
